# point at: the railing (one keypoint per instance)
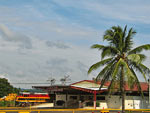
(29, 110)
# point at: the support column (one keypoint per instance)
(149, 93)
(66, 103)
(94, 99)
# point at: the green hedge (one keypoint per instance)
(7, 103)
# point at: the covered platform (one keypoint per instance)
(86, 94)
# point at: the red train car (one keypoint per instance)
(32, 98)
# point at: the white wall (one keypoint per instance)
(136, 102)
(131, 102)
(61, 97)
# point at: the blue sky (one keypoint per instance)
(44, 38)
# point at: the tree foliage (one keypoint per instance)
(6, 88)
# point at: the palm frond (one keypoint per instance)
(137, 82)
(138, 58)
(97, 46)
(117, 29)
(114, 36)
(99, 64)
(139, 69)
(123, 36)
(105, 69)
(139, 49)
(116, 68)
(134, 58)
(128, 72)
(142, 57)
(145, 69)
(107, 75)
(129, 40)
(109, 36)
(124, 32)
(111, 86)
(109, 51)
(115, 72)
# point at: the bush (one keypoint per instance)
(7, 103)
(97, 104)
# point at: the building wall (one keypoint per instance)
(131, 102)
(72, 97)
(66, 98)
(145, 102)
(114, 102)
(61, 97)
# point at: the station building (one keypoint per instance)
(86, 94)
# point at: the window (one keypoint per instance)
(21, 99)
(90, 97)
(73, 97)
(82, 98)
(26, 95)
(100, 98)
(60, 102)
(90, 103)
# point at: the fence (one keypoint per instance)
(29, 110)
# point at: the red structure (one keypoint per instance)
(33, 98)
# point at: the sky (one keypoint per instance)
(43, 39)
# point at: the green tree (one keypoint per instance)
(121, 61)
(6, 88)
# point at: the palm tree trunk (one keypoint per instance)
(122, 90)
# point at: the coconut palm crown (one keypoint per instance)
(119, 61)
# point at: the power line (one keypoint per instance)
(30, 83)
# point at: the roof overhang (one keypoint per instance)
(89, 89)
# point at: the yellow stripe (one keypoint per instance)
(35, 97)
(27, 110)
(24, 112)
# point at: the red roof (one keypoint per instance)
(144, 85)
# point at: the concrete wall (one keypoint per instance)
(113, 102)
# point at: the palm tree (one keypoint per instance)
(121, 61)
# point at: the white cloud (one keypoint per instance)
(62, 32)
(57, 44)
(39, 62)
(24, 41)
(130, 11)
(34, 46)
